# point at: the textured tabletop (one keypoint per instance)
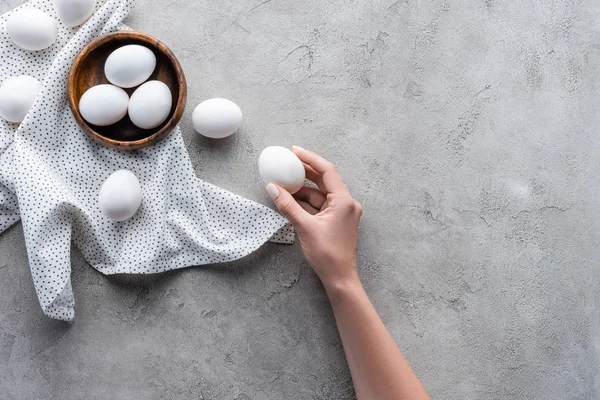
(469, 131)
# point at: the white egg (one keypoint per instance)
(281, 166)
(74, 12)
(150, 105)
(31, 29)
(103, 105)
(130, 65)
(217, 118)
(120, 195)
(17, 96)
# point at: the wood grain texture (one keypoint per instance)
(88, 70)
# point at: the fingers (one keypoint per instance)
(332, 181)
(314, 176)
(288, 206)
(312, 196)
(308, 208)
(319, 164)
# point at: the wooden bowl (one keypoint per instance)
(88, 70)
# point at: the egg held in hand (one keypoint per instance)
(103, 105)
(217, 118)
(17, 96)
(31, 29)
(120, 195)
(74, 12)
(129, 66)
(150, 105)
(281, 166)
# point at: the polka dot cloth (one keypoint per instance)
(51, 171)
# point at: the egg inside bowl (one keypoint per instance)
(87, 71)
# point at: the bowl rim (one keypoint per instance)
(169, 125)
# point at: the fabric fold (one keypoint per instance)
(51, 171)
(9, 208)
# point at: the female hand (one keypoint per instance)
(326, 219)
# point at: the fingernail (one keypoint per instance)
(273, 191)
(297, 147)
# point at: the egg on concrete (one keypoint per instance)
(217, 118)
(31, 29)
(281, 166)
(130, 65)
(74, 12)
(17, 96)
(103, 105)
(120, 195)
(150, 105)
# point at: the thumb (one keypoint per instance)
(287, 205)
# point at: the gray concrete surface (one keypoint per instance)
(469, 131)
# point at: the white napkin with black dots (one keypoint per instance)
(51, 171)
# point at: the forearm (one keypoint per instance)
(378, 368)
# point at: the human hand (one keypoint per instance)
(326, 219)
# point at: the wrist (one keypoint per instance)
(341, 287)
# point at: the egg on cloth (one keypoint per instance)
(120, 195)
(31, 29)
(130, 65)
(281, 166)
(17, 96)
(103, 105)
(74, 12)
(217, 118)
(150, 105)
